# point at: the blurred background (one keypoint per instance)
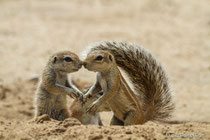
(177, 32)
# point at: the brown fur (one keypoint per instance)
(116, 92)
(79, 110)
(51, 93)
(147, 76)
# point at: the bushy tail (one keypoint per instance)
(147, 76)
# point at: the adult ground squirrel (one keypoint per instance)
(50, 97)
(152, 99)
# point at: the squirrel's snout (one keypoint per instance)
(80, 64)
(84, 64)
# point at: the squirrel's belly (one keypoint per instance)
(50, 103)
(120, 105)
(59, 102)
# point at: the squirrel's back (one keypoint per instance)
(147, 76)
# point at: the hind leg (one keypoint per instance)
(39, 111)
(62, 115)
(42, 118)
(116, 121)
(133, 118)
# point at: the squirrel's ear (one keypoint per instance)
(54, 60)
(110, 58)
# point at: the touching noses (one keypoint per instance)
(85, 64)
(80, 64)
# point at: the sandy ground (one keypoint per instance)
(177, 32)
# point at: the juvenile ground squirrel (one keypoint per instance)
(152, 98)
(50, 97)
(78, 109)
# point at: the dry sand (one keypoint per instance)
(177, 32)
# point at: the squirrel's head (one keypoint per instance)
(65, 62)
(98, 61)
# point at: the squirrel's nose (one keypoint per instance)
(80, 64)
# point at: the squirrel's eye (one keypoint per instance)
(54, 59)
(67, 59)
(99, 58)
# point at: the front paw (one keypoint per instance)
(93, 107)
(80, 94)
(75, 95)
(85, 97)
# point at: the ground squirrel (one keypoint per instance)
(152, 99)
(78, 109)
(50, 97)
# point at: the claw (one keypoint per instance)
(92, 108)
(90, 95)
(84, 98)
(81, 100)
(89, 110)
